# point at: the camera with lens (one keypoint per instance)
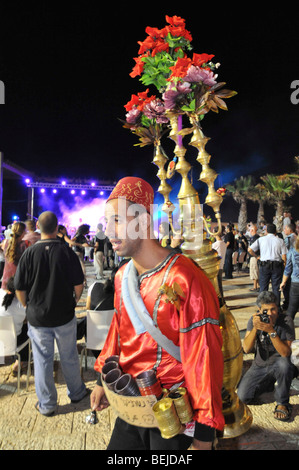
(264, 317)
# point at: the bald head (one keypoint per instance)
(253, 230)
(47, 222)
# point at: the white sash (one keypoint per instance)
(139, 316)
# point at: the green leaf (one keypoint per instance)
(192, 105)
(187, 109)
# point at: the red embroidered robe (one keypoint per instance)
(195, 328)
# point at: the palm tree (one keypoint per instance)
(293, 177)
(279, 188)
(260, 195)
(240, 191)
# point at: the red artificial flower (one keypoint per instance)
(176, 21)
(139, 101)
(177, 28)
(160, 46)
(147, 45)
(180, 68)
(154, 41)
(138, 68)
(164, 32)
(155, 33)
(200, 59)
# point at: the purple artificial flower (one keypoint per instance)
(174, 93)
(197, 74)
(156, 110)
(133, 115)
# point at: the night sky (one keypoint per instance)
(66, 75)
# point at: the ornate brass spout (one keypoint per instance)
(197, 246)
(208, 176)
(165, 189)
(190, 209)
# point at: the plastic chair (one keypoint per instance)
(241, 259)
(8, 346)
(97, 327)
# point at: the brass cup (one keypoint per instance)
(182, 405)
(167, 418)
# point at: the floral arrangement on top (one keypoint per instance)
(187, 85)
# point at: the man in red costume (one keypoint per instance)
(189, 320)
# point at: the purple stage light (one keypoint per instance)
(73, 191)
(27, 180)
(83, 192)
(43, 190)
(63, 183)
(93, 184)
(102, 193)
(55, 191)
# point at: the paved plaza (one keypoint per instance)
(23, 428)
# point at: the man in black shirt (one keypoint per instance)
(49, 283)
(229, 239)
(99, 247)
(271, 334)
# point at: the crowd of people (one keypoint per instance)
(272, 259)
(43, 277)
(16, 239)
(269, 257)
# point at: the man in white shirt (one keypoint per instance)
(220, 246)
(273, 253)
(253, 262)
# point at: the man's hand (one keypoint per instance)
(98, 400)
(200, 445)
(262, 326)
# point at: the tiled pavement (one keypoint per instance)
(23, 428)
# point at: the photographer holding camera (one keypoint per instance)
(270, 333)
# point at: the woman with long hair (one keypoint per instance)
(9, 305)
(80, 242)
(13, 249)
